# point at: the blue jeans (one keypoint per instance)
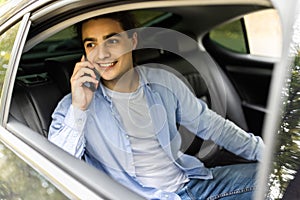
(229, 182)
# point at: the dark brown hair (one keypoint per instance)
(126, 20)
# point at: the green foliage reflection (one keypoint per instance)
(230, 36)
(19, 181)
(287, 156)
(6, 44)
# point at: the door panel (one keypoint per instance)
(251, 77)
(247, 49)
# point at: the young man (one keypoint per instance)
(127, 127)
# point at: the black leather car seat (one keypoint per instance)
(34, 99)
(33, 102)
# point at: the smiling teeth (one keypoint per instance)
(107, 64)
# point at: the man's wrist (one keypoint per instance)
(76, 118)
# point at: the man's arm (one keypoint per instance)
(68, 119)
(228, 135)
(194, 114)
(66, 129)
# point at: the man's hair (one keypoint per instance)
(126, 20)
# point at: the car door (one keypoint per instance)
(73, 177)
(18, 178)
(278, 173)
(247, 49)
(31, 167)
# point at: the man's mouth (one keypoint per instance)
(107, 65)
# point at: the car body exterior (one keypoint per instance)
(258, 92)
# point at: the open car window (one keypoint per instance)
(256, 34)
(48, 62)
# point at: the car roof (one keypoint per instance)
(50, 15)
(11, 8)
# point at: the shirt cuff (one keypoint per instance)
(76, 118)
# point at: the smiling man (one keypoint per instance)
(127, 128)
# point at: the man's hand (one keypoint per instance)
(81, 95)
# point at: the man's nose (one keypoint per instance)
(102, 52)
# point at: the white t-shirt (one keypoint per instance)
(152, 165)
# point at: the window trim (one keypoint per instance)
(17, 128)
(244, 29)
(286, 11)
(12, 68)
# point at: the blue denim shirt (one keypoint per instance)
(99, 135)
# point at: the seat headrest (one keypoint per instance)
(61, 69)
(167, 40)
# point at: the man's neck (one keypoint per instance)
(129, 82)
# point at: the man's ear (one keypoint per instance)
(134, 40)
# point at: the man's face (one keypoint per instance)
(108, 47)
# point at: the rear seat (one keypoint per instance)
(34, 99)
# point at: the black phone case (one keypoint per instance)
(91, 85)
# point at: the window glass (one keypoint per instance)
(230, 36)
(63, 35)
(62, 43)
(19, 181)
(263, 33)
(6, 44)
(146, 17)
(284, 178)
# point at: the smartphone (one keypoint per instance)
(91, 85)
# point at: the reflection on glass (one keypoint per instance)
(19, 181)
(230, 36)
(6, 44)
(286, 160)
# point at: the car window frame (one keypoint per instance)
(287, 13)
(12, 142)
(16, 128)
(17, 146)
(12, 69)
(246, 34)
(22, 144)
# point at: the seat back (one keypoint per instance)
(34, 99)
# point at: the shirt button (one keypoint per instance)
(79, 121)
(57, 126)
(75, 134)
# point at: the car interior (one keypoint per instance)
(44, 72)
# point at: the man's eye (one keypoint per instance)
(112, 41)
(90, 45)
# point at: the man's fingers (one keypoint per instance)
(82, 58)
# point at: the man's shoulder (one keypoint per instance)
(156, 72)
